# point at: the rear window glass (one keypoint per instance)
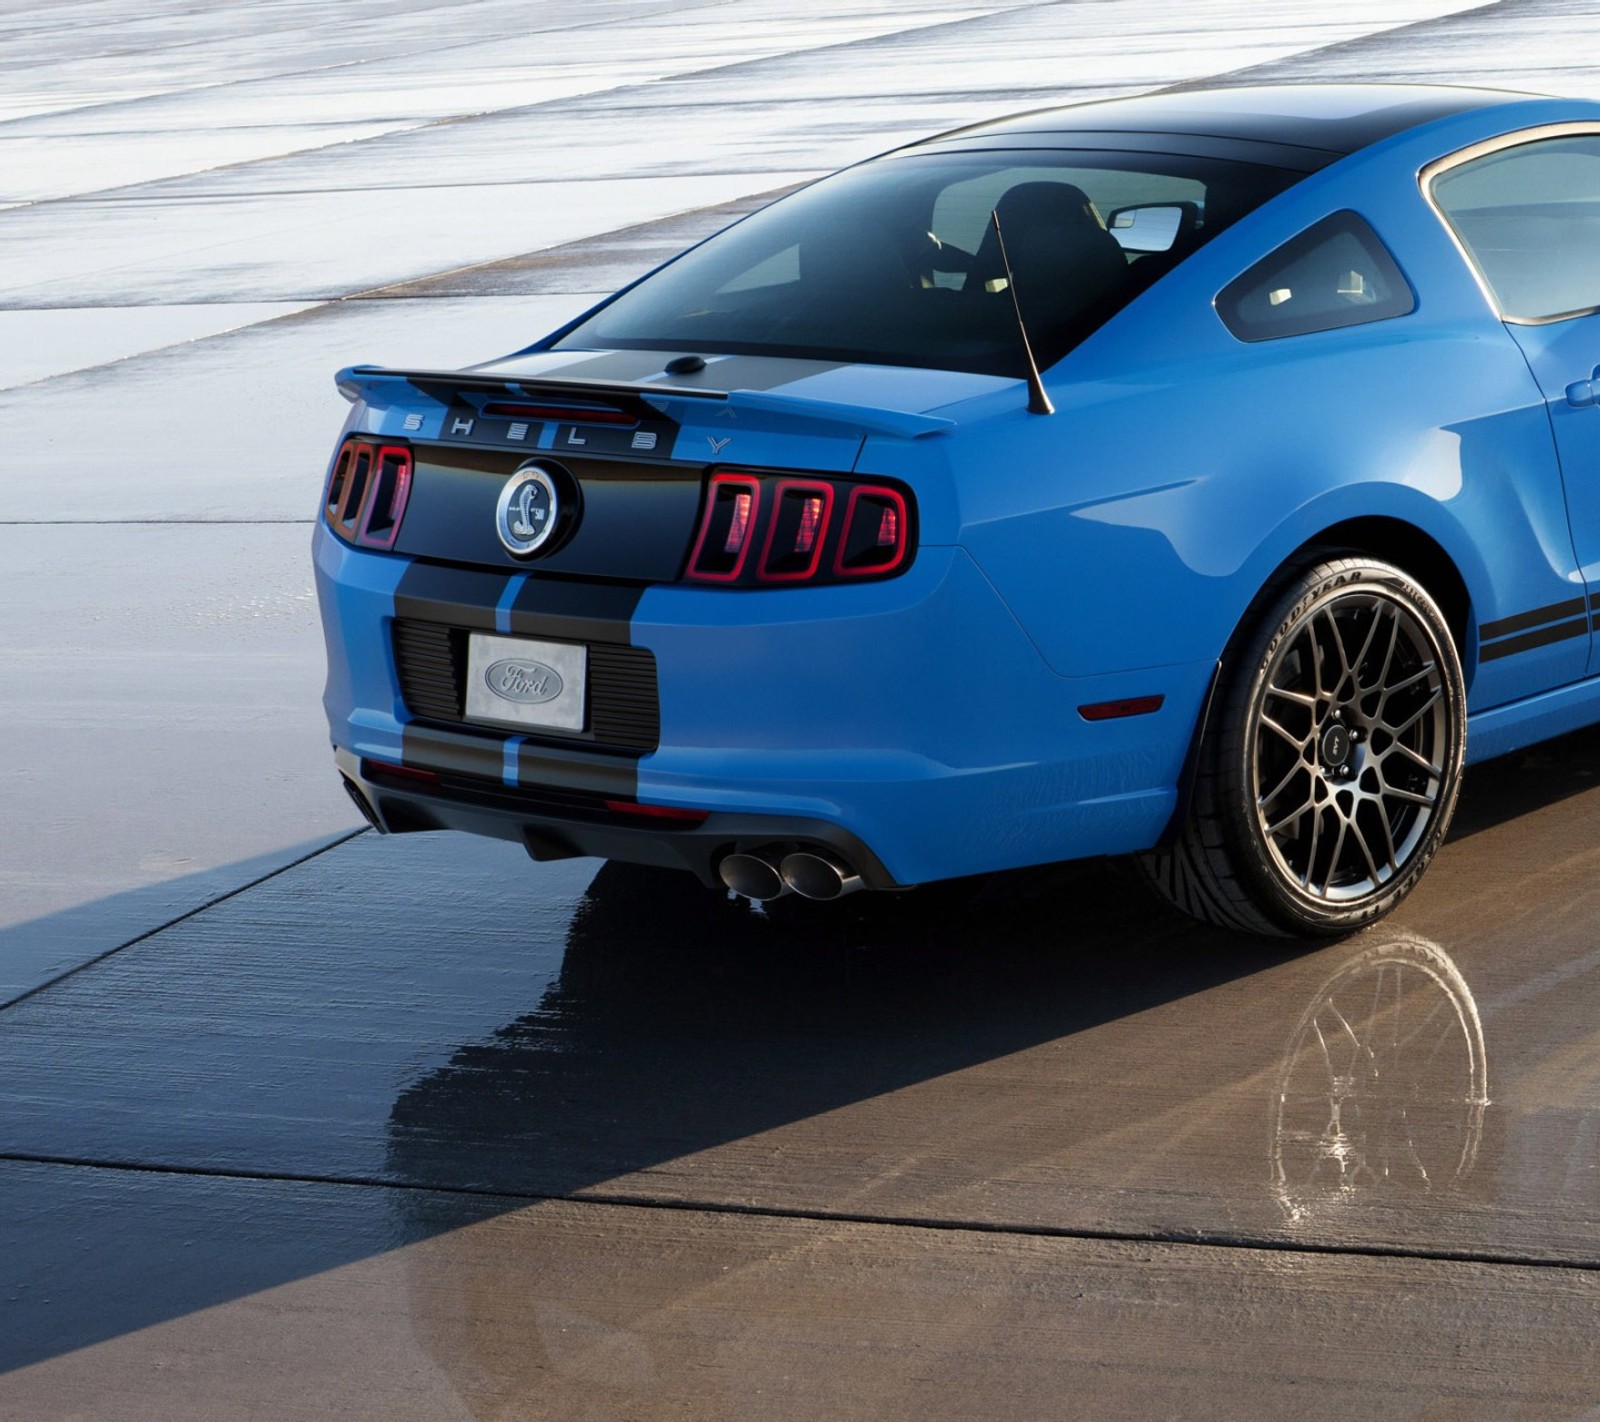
(1336, 273)
(895, 262)
(1529, 218)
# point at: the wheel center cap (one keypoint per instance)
(1336, 745)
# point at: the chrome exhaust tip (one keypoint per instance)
(813, 876)
(361, 802)
(752, 877)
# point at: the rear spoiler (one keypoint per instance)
(356, 381)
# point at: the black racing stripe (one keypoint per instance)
(1594, 602)
(560, 609)
(614, 776)
(594, 613)
(1572, 607)
(480, 754)
(566, 609)
(575, 611)
(459, 597)
(1544, 637)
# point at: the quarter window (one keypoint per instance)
(1336, 273)
(1529, 218)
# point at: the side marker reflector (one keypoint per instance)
(658, 812)
(384, 770)
(1115, 710)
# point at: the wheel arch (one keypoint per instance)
(1412, 551)
(1216, 866)
(1393, 540)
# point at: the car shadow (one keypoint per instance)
(679, 1022)
(662, 1021)
(1504, 789)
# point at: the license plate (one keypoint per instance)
(518, 682)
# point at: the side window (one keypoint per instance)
(1336, 273)
(1529, 218)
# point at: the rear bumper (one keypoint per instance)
(908, 726)
(562, 831)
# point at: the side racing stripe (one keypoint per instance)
(1538, 627)
(1520, 622)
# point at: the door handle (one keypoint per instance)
(1585, 392)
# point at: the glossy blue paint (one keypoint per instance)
(917, 712)
(355, 590)
(1197, 464)
(1558, 354)
(1109, 551)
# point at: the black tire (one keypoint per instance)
(1330, 770)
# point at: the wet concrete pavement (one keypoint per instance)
(298, 1122)
(626, 1149)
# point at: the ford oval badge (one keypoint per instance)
(531, 683)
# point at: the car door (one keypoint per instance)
(1526, 211)
(1565, 359)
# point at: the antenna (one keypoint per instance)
(1038, 401)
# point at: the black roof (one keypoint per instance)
(1331, 119)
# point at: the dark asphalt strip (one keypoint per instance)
(199, 909)
(1178, 1238)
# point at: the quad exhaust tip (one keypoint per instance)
(762, 876)
(815, 876)
(364, 805)
(752, 877)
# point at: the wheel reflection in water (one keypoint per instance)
(1384, 1082)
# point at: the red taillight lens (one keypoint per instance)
(381, 770)
(796, 526)
(738, 523)
(875, 537)
(391, 488)
(347, 488)
(727, 529)
(1115, 710)
(669, 814)
(367, 492)
(799, 526)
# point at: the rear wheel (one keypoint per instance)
(1329, 775)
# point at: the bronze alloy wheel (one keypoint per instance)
(1330, 773)
(1350, 732)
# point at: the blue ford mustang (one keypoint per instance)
(1205, 477)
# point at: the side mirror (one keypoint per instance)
(1148, 227)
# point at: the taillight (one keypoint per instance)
(347, 487)
(728, 528)
(875, 537)
(367, 492)
(796, 532)
(796, 525)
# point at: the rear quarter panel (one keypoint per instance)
(1182, 467)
